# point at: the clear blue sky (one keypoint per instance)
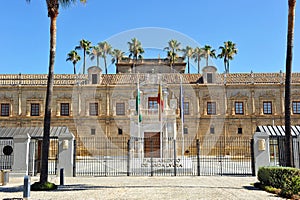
(257, 27)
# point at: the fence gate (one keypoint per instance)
(35, 156)
(6, 154)
(226, 156)
(155, 156)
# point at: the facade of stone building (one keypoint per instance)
(96, 104)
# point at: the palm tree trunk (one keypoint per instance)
(98, 61)
(188, 65)
(287, 103)
(199, 65)
(74, 68)
(83, 61)
(225, 65)
(104, 58)
(47, 117)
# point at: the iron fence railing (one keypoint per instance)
(155, 156)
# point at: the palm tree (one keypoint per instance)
(117, 55)
(288, 74)
(173, 47)
(197, 55)
(136, 50)
(52, 7)
(96, 53)
(208, 52)
(227, 52)
(84, 45)
(105, 49)
(74, 58)
(188, 53)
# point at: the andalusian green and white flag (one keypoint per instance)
(138, 103)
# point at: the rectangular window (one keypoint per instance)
(209, 77)
(267, 107)
(120, 108)
(296, 107)
(185, 130)
(35, 109)
(93, 131)
(4, 109)
(186, 108)
(152, 105)
(94, 78)
(120, 131)
(240, 130)
(212, 130)
(211, 108)
(64, 109)
(239, 108)
(93, 109)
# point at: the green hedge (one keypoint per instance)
(37, 186)
(285, 178)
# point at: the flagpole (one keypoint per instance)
(182, 115)
(138, 113)
(161, 109)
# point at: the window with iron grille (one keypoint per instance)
(296, 107)
(120, 108)
(35, 109)
(239, 108)
(267, 107)
(4, 109)
(93, 109)
(93, 131)
(64, 109)
(186, 108)
(211, 108)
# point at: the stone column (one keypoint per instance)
(21, 155)
(65, 156)
(261, 150)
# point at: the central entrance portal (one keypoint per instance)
(152, 139)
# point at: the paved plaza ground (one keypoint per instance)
(94, 188)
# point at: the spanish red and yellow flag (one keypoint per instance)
(160, 100)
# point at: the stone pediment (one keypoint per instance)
(211, 96)
(36, 96)
(239, 95)
(296, 94)
(268, 95)
(4, 97)
(64, 96)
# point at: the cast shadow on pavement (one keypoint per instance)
(79, 187)
(12, 189)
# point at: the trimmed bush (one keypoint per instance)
(286, 179)
(37, 186)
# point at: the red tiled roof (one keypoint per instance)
(169, 78)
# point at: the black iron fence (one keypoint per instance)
(277, 151)
(155, 156)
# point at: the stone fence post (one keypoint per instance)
(261, 150)
(21, 155)
(65, 153)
